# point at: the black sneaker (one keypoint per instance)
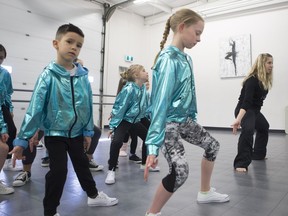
(22, 178)
(45, 162)
(135, 158)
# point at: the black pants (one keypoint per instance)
(56, 176)
(252, 120)
(119, 134)
(95, 140)
(11, 127)
(134, 137)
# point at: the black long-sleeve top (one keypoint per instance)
(252, 94)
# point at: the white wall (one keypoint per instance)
(216, 97)
(127, 35)
(124, 36)
(41, 23)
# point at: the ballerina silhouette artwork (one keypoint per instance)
(232, 55)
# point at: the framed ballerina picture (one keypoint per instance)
(235, 56)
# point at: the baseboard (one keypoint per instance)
(225, 129)
(230, 129)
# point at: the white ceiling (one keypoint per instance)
(158, 10)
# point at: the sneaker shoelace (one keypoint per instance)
(22, 176)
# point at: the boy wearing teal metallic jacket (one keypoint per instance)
(61, 105)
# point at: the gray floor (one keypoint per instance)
(262, 191)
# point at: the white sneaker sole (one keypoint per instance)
(115, 202)
(226, 199)
(19, 184)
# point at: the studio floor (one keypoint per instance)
(263, 191)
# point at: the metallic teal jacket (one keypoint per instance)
(5, 79)
(61, 105)
(3, 126)
(173, 97)
(129, 105)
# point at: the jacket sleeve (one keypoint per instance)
(3, 126)
(34, 115)
(162, 90)
(89, 129)
(9, 89)
(121, 105)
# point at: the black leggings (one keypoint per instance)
(119, 134)
(134, 138)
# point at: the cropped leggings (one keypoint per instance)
(174, 151)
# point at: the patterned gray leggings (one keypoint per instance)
(174, 151)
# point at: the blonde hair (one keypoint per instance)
(258, 70)
(121, 83)
(186, 16)
(132, 72)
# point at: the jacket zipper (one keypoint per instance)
(73, 101)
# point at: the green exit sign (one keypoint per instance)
(128, 58)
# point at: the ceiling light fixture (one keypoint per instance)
(140, 1)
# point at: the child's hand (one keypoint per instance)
(17, 153)
(33, 141)
(235, 126)
(151, 161)
(4, 137)
(110, 134)
(87, 143)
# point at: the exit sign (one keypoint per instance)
(128, 58)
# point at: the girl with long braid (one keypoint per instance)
(173, 107)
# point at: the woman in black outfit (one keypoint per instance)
(255, 88)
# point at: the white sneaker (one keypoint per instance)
(40, 145)
(8, 166)
(151, 169)
(5, 189)
(95, 167)
(151, 214)
(212, 196)
(21, 179)
(57, 214)
(102, 200)
(123, 153)
(110, 179)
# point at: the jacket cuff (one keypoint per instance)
(88, 133)
(152, 150)
(20, 142)
(4, 129)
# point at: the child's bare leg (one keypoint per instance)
(206, 173)
(240, 169)
(160, 198)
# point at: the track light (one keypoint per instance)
(140, 1)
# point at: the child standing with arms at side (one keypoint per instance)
(173, 106)
(126, 114)
(61, 105)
